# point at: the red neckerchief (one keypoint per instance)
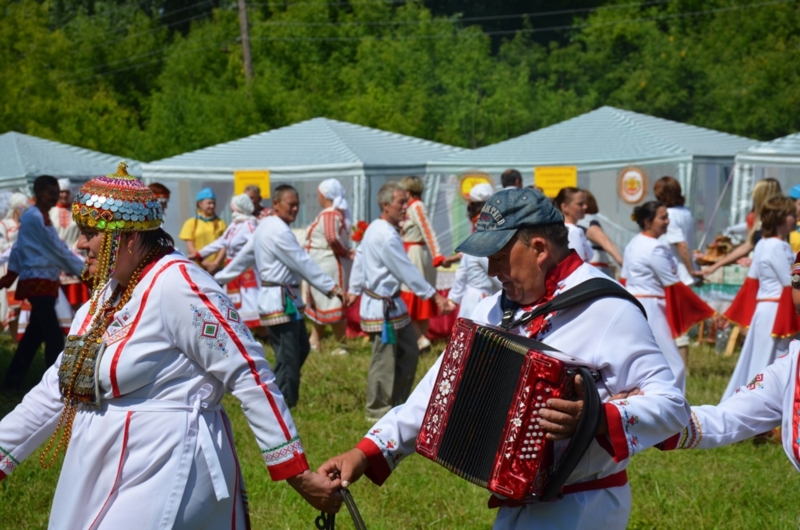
(555, 276)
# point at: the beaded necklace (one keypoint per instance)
(90, 346)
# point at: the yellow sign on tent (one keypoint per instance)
(470, 180)
(251, 177)
(552, 178)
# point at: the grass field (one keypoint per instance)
(742, 486)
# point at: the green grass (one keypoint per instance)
(742, 486)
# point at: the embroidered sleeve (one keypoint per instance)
(630, 358)
(209, 330)
(32, 422)
(331, 224)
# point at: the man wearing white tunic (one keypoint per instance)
(526, 242)
(243, 291)
(381, 265)
(773, 324)
(282, 264)
(37, 259)
(157, 347)
(328, 245)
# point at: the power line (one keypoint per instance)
(465, 19)
(456, 34)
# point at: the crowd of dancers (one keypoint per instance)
(158, 338)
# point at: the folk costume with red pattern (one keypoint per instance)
(151, 444)
(764, 305)
(651, 274)
(423, 250)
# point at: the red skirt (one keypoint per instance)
(744, 304)
(787, 323)
(684, 308)
(418, 309)
(77, 293)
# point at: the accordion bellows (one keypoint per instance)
(481, 422)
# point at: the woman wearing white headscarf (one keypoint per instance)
(243, 291)
(328, 244)
(9, 229)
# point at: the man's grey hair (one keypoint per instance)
(253, 188)
(386, 193)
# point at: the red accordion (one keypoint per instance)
(481, 421)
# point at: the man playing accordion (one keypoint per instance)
(525, 239)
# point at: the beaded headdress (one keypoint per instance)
(113, 204)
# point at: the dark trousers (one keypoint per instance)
(290, 342)
(43, 327)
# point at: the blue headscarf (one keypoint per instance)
(206, 193)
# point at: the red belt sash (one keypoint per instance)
(612, 481)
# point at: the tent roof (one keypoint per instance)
(315, 143)
(781, 150)
(23, 157)
(605, 136)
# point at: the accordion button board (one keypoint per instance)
(482, 419)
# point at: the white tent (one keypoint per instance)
(601, 144)
(778, 159)
(24, 157)
(302, 155)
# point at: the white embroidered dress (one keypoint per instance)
(279, 260)
(472, 284)
(772, 267)
(681, 230)
(380, 266)
(648, 267)
(244, 293)
(609, 334)
(328, 245)
(159, 453)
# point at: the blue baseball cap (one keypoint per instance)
(503, 214)
(794, 193)
(206, 193)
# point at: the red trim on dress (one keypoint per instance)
(616, 433)
(744, 304)
(787, 323)
(378, 470)
(236, 476)
(123, 342)
(684, 308)
(36, 287)
(242, 350)
(119, 467)
(76, 293)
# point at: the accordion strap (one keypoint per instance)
(583, 292)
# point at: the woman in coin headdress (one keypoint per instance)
(134, 401)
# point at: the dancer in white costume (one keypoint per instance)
(243, 291)
(773, 323)
(571, 202)
(602, 246)
(157, 348)
(328, 245)
(651, 275)
(526, 242)
(472, 282)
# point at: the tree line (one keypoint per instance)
(154, 78)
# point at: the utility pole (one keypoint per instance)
(245, 30)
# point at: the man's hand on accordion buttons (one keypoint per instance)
(350, 466)
(560, 418)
